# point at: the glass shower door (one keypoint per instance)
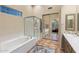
(32, 26)
(36, 27)
(28, 26)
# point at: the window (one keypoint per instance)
(11, 11)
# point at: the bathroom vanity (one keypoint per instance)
(70, 43)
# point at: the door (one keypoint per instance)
(54, 26)
(28, 26)
(46, 26)
(32, 26)
(36, 23)
(51, 26)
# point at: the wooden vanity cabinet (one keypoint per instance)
(66, 47)
(72, 50)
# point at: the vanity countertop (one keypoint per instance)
(73, 39)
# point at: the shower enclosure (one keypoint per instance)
(32, 26)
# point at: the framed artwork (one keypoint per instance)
(70, 22)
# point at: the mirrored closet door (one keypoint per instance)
(54, 26)
(46, 26)
(51, 26)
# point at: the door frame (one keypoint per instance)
(59, 27)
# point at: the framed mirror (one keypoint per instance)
(70, 22)
(78, 23)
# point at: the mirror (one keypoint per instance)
(78, 22)
(70, 22)
(54, 26)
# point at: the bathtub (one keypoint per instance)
(18, 45)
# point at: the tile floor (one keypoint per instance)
(45, 46)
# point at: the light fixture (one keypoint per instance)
(33, 6)
(49, 7)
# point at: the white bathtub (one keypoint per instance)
(18, 45)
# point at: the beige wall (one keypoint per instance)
(39, 10)
(55, 9)
(12, 26)
(67, 9)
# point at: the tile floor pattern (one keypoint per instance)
(45, 46)
(42, 49)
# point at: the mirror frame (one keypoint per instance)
(77, 23)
